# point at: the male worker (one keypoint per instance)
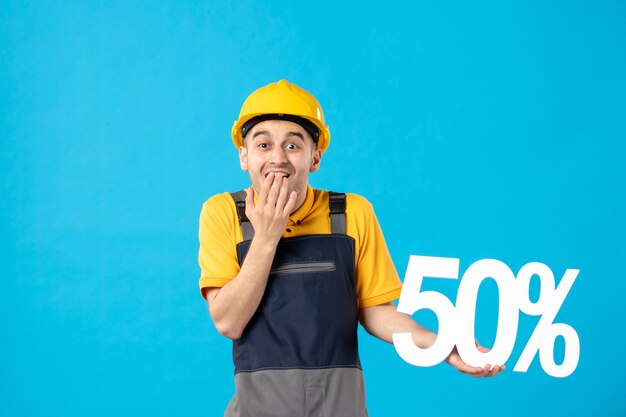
(289, 271)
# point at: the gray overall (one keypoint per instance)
(298, 356)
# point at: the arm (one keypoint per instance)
(383, 320)
(232, 306)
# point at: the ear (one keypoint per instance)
(243, 158)
(317, 159)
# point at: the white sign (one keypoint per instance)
(456, 324)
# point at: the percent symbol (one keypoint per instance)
(547, 306)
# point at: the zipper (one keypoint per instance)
(303, 267)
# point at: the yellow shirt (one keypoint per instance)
(377, 281)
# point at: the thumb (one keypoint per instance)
(249, 200)
(481, 348)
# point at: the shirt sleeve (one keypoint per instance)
(377, 279)
(218, 235)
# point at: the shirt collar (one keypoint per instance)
(297, 216)
(304, 209)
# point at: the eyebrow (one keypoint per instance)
(260, 132)
(298, 134)
(265, 132)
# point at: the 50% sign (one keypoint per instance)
(456, 324)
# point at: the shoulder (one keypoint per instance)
(358, 208)
(359, 215)
(357, 203)
(219, 200)
(219, 206)
(354, 202)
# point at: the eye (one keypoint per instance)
(263, 145)
(292, 146)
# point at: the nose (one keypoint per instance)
(278, 156)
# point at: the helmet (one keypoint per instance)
(282, 99)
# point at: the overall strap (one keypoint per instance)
(240, 202)
(337, 209)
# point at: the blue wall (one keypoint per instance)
(483, 130)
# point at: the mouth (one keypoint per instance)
(280, 173)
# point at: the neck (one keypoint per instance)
(300, 199)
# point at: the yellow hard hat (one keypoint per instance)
(282, 100)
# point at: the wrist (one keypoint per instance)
(264, 244)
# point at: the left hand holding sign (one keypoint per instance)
(455, 361)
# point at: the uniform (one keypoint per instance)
(298, 355)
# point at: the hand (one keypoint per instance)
(274, 204)
(486, 371)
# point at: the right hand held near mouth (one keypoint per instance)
(270, 213)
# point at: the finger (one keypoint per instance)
(480, 347)
(291, 203)
(498, 370)
(461, 366)
(283, 195)
(473, 371)
(486, 370)
(249, 201)
(265, 187)
(492, 372)
(274, 190)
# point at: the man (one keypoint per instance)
(289, 271)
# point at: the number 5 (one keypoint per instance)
(412, 300)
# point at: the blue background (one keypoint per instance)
(477, 130)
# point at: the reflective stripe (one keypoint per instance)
(336, 392)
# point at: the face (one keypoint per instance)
(283, 147)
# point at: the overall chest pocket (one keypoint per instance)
(303, 268)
